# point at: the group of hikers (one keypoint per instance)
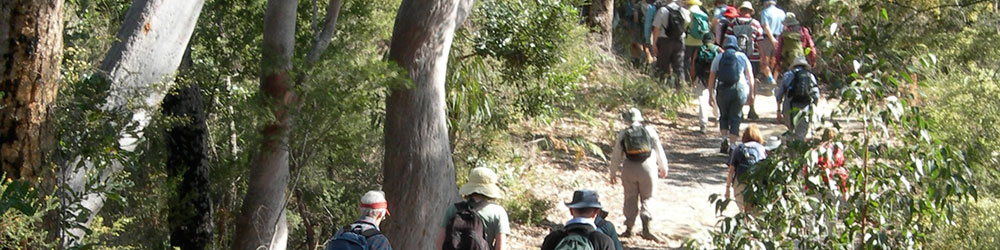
(684, 43)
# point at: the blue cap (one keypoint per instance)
(730, 42)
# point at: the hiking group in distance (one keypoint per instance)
(721, 52)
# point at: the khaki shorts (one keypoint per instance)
(766, 49)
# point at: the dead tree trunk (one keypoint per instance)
(601, 15)
(262, 218)
(190, 213)
(418, 169)
(30, 55)
(152, 29)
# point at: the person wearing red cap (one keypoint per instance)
(373, 209)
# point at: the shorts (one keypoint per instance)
(636, 31)
(766, 49)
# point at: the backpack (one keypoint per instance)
(706, 54)
(352, 238)
(574, 241)
(637, 143)
(467, 231)
(699, 26)
(747, 158)
(675, 23)
(729, 69)
(744, 33)
(801, 86)
(791, 46)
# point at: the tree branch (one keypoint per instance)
(322, 40)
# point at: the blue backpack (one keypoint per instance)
(352, 239)
(729, 68)
(747, 157)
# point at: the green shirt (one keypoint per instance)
(494, 217)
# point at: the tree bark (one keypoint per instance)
(30, 55)
(150, 45)
(262, 218)
(323, 37)
(190, 212)
(418, 169)
(601, 15)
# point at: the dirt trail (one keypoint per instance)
(681, 204)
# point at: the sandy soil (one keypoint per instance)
(681, 204)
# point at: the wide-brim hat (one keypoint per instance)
(747, 5)
(772, 143)
(790, 19)
(482, 181)
(633, 115)
(694, 2)
(584, 199)
(800, 61)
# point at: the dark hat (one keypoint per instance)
(584, 199)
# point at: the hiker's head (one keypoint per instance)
(769, 2)
(694, 2)
(632, 115)
(373, 205)
(829, 134)
(482, 182)
(730, 13)
(800, 61)
(585, 204)
(720, 2)
(746, 8)
(731, 43)
(752, 133)
(708, 38)
(790, 20)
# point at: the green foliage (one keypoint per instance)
(976, 227)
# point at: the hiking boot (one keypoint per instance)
(627, 233)
(646, 234)
(724, 148)
(703, 129)
(752, 115)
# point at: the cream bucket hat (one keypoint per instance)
(482, 181)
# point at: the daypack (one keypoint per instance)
(574, 241)
(637, 143)
(699, 25)
(706, 54)
(467, 230)
(801, 86)
(352, 238)
(728, 71)
(791, 46)
(744, 32)
(747, 157)
(675, 23)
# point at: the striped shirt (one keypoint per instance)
(376, 242)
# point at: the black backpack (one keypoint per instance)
(353, 238)
(467, 230)
(801, 86)
(675, 24)
(729, 69)
(637, 143)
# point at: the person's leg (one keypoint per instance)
(689, 54)
(679, 72)
(723, 99)
(703, 105)
(630, 208)
(739, 99)
(738, 195)
(767, 60)
(662, 63)
(647, 187)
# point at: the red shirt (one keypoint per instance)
(832, 163)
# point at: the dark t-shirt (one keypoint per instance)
(597, 239)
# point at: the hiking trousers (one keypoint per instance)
(731, 100)
(670, 59)
(639, 183)
(801, 128)
(704, 107)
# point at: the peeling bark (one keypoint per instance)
(418, 169)
(30, 55)
(262, 220)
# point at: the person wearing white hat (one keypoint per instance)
(373, 209)
(668, 41)
(795, 41)
(479, 192)
(639, 154)
(797, 97)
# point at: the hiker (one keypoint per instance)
(698, 28)
(702, 64)
(772, 20)
(364, 233)
(749, 35)
(668, 41)
(734, 74)
(632, 18)
(798, 93)
(743, 158)
(639, 154)
(794, 33)
(580, 232)
(722, 24)
(477, 222)
(607, 228)
(830, 162)
(719, 8)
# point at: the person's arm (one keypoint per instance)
(767, 31)
(748, 72)
(779, 93)
(729, 180)
(814, 91)
(694, 59)
(439, 244)
(711, 80)
(661, 160)
(809, 43)
(617, 155)
(498, 242)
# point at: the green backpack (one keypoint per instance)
(791, 47)
(699, 26)
(574, 241)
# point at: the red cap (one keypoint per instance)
(731, 12)
(378, 205)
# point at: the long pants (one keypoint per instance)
(801, 128)
(731, 100)
(690, 52)
(639, 183)
(704, 107)
(670, 59)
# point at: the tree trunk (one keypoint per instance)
(150, 45)
(262, 218)
(601, 15)
(418, 169)
(190, 213)
(30, 55)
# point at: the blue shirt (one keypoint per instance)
(648, 23)
(744, 65)
(773, 18)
